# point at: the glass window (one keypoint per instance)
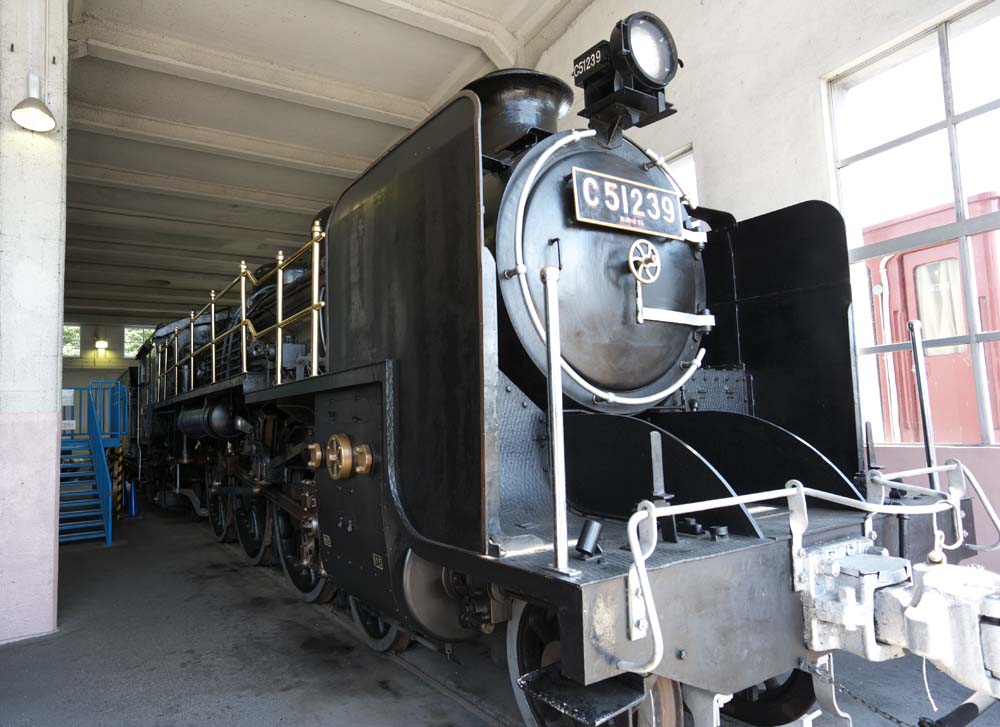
(911, 183)
(986, 255)
(979, 153)
(891, 290)
(974, 42)
(71, 342)
(939, 302)
(682, 167)
(898, 135)
(890, 98)
(889, 399)
(135, 336)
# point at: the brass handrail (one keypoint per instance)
(245, 325)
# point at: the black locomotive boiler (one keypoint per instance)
(515, 386)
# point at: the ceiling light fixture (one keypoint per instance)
(32, 113)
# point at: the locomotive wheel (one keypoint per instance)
(220, 518)
(253, 526)
(380, 635)
(779, 700)
(533, 642)
(308, 582)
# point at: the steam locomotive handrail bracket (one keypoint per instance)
(245, 324)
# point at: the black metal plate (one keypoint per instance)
(779, 287)
(356, 541)
(593, 705)
(405, 283)
(755, 455)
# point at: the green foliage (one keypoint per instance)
(71, 341)
(134, 338)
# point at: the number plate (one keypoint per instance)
(615, 202)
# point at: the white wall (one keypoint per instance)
(750, 95)
(32, 246)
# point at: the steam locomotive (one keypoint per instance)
(516, 386)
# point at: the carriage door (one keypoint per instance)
(934, 283)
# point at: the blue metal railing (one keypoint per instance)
(109, 417)
(103, 477)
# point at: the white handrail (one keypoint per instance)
(646, 510)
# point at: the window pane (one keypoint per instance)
(991, 352)
(890, 403)
(938, 286)
(71, 341)
(889, 98)
(986, 258)
(923, 284)
(682, 168)
(134, 338)
(974, 43)
(903, 190)
(979, 155)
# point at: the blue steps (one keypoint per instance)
(98, 419)
(83, 513)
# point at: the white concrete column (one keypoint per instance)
(32, 244)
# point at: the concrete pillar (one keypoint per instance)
(32, 244)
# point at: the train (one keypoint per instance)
(515, 386)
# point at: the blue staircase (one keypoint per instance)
(95, 421)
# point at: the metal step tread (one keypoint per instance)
(90, 535)
(75, 473)
(83, 524)
(63, 514)
(89, 483)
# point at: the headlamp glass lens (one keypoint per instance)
(650, 49)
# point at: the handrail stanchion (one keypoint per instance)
(211, 309)
(314, 316)
(176, 370)
(191, 355)
(243, 314)
(920, 372)
(277, 335)
(557, 451)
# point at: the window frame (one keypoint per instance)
(962, 229)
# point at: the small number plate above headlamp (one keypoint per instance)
(601, 199)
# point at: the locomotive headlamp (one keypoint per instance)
(623, 78)
(647, 46)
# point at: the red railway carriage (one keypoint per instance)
(927, 284)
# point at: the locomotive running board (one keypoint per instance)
(593, 705)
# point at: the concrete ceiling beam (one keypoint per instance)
(125, 219)
(118, 178)
(147, 129)
(450, 21)
(103, 245)
(117, 43)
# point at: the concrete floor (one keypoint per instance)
(169, 628)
